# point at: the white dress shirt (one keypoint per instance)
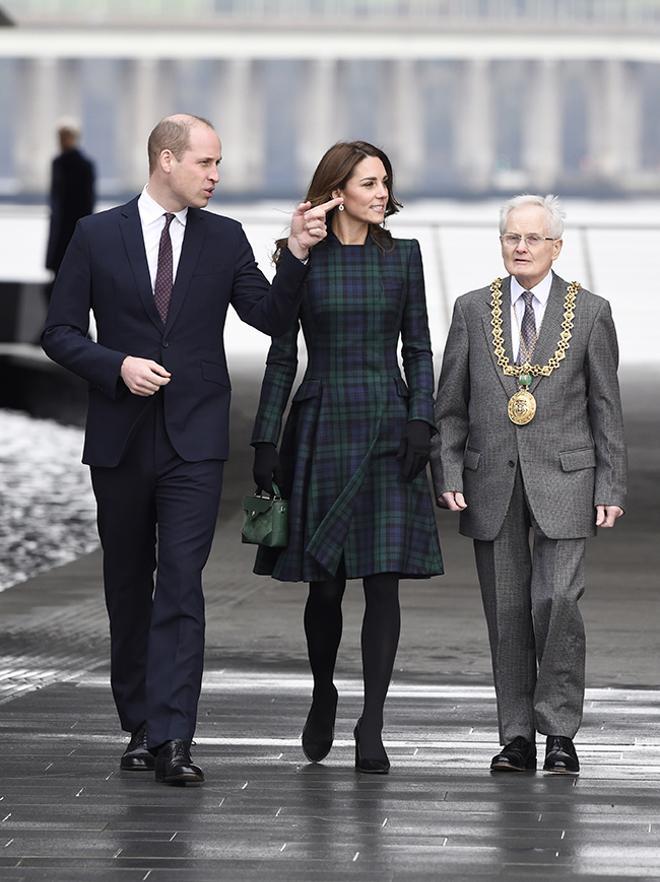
(541, 293)
(152, 218)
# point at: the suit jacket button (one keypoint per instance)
(511, 463)
(165, 344)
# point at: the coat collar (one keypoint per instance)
(509, 384)
(548, 333)
(131, 230)
(550, 329)
(192, 245)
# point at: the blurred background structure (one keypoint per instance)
(474, 100)
(470, 97)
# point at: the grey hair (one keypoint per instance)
(69, 124)
(550, 203)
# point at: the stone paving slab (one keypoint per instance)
(68, 813)
(265, 813)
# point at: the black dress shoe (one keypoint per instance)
(560, 756)
(137, 757)
(517, 756)
(369, 766)
(319, 731)
(174, 764)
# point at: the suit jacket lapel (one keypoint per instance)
(550, 329)
(192, 244)
(509, 384)
(131, 230)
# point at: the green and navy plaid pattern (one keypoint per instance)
(338, 451)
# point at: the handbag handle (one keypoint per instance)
(264, 495)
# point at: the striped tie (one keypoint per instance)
(527, 330)
(164, 272)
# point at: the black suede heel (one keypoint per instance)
(365, 765)
(319, 731)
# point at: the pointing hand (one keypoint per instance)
(308, 226)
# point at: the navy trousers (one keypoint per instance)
(156, 514)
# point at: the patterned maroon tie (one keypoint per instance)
(164, 272)
(527, 330)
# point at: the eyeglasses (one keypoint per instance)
(512, 240)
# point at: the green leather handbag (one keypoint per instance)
(265, 519)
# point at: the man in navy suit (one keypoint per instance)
(159, 274)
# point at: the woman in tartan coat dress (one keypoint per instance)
(356, 442)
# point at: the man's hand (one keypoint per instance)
(606, 515)
(453, 500)
(308, 227)
(143, 376)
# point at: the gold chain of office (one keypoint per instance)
(536, 370)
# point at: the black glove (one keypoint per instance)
(266, 468)
(415, 449)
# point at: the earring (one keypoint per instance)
(341, 206)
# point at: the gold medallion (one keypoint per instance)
(522, 407)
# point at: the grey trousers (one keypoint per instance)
(537, 642)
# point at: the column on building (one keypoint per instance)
(237, 114)
(142, 107)
(542, 132)
(405, 125)
(36, 142)
(474, 126)
(69, 89)
(615, 121)
(320, 116)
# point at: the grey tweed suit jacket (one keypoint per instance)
(572, 454)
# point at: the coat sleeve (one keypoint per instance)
(64, 338)
(281, 366)
(605, 414)
(270, 308)
(416, 343)
(451, 409)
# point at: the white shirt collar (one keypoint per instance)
(541, 291)
(150, 210)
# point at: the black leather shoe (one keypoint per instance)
(137, 757)
(517, 756)
(380, 766)
(560, 756)
(175, 766)
(319, 731)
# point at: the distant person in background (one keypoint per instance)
(355, 447)
(71, 193)
(530, 445)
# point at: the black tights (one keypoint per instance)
(380, 638)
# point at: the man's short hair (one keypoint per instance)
(172, 133)
(550, 203)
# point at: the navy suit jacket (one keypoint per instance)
(105, 269)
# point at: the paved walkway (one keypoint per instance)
(67, 813)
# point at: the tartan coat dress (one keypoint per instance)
(347, 500)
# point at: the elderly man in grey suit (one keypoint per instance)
(530, 441)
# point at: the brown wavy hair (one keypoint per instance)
(333, 173)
